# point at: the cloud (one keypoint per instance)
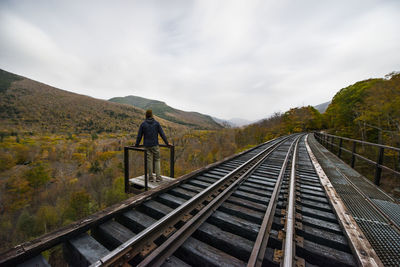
(225, 58)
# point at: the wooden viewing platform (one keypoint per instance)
(138, 182)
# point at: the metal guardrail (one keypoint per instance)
(328, 141)
(142, 149)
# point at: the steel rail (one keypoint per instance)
(159, 255)
(289, 246)
(143, 237)
(258, 251)
(29, 249)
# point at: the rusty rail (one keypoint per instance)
(125, 252)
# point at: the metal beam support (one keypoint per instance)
(126, 169)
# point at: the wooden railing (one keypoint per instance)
(331, 141)
(142, 149)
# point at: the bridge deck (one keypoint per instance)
(271, 205)
(376, 213)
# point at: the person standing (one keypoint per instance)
(150, 128)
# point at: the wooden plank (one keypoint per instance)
(334, 240)
(254, 198)
(155, 209)
(218, 172)
(83, 250)
(260, 192)
(135, 220)
(265, 184)
(312, 188)
(206, 179)
(316, 205)
(183, 193)
(317, 223)
(211, 175)
(38, 261)
(229, 243)
(199, 183)
(170, 200)
(326, 216)
(235, 225)
(192, 188)
(304, 195)
(112, 234)
(324, 256)
(321, 195)
(242, 212)
(140, 181)
(174, 262)
(247, 203)
(362, 249)
(198, 253)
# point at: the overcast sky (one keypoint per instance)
(228, 58)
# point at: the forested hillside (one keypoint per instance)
(367, 110)
(27, 105)
(161, 109)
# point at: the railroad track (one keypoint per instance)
(265, 207)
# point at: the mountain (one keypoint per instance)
(235, 122)
(322, 107)
(161, 109)
(240, 122)
(27, 105)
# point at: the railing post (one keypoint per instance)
(126, 169)
(332, 138)
(340, 147)
(145, 170)
(398, 163)
(353, 156)
(379, 162)
(172, 161)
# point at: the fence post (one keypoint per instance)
(332, 138)
(126, 169)
(353, 156)
(379, 162)
(398, 162)
(172, 162)
(145, 170)
(340, 147)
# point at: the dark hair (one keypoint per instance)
(149, 113)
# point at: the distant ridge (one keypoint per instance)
(161, 109)
(30, 106)
(322, 107)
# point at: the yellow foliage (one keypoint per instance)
(81, 149)
(73, 180)
(104, 156)
(80, 157)
(6, 161)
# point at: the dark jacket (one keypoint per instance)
(150, 128)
